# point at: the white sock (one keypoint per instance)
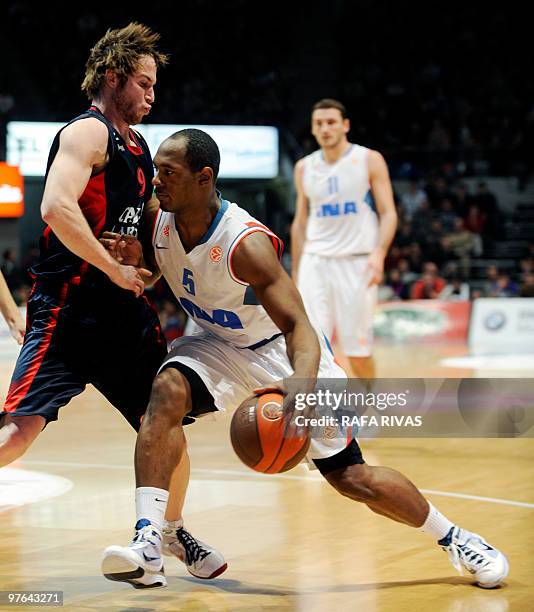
(150, 503)
(436, 525)
(173, 525)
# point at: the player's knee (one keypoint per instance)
(169, 397)
(355, 482)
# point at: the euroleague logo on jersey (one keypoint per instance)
(216, 254)
(142, 182)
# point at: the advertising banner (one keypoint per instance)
(422, 321)
(502, 326)
(11, 191)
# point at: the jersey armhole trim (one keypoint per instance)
(155, 228)
(278, 245)
(136, 149)
(96, 113)
(110, 149)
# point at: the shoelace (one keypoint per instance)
(454, 557)
(193, 551)
(471, 555)
(462, 552)
(143, 535)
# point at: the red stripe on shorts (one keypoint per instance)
(19, 388)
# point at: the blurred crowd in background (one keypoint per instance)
(424, 84)
(446, 243)
(441, 89)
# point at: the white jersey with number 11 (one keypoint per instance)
(342, 217)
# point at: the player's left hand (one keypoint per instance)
(127, 250)
(375, 263)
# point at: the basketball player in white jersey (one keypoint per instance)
(345, 220)
(223, 266)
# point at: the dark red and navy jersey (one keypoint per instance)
(113, 200)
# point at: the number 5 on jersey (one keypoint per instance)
(188, 282)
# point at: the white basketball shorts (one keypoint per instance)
(337, 299)
(192, 327)
(231, 374)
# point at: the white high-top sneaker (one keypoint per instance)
(201, 560)
(487, 564)
(140, 563)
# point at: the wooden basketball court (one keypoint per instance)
(291, 542)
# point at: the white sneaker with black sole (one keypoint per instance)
(140, 563)
(469, 550)
(202, 561)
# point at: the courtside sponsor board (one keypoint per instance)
(422, 321)
(502, 326)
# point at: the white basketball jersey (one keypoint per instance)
(203, 280)
(342, 214)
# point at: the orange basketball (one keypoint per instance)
(263, 439)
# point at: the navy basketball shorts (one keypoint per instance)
(60, 356)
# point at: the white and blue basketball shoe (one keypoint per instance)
(488, 565)
(140, 563)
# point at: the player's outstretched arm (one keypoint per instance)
(387, 214)
(11, 313)
(256, 263)
(82, 148)
(300, 221)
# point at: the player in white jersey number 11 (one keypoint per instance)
(345, 220)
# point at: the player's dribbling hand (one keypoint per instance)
(125, 249)
(278, 386)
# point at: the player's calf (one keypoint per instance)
(170, 401)
(354, 482)
(17, 435)
(384, 490)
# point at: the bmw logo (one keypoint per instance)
(495, 320)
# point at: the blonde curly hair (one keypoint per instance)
(120, 51)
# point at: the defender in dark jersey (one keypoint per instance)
(98, 178)
(75, 309)
(87, 319)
